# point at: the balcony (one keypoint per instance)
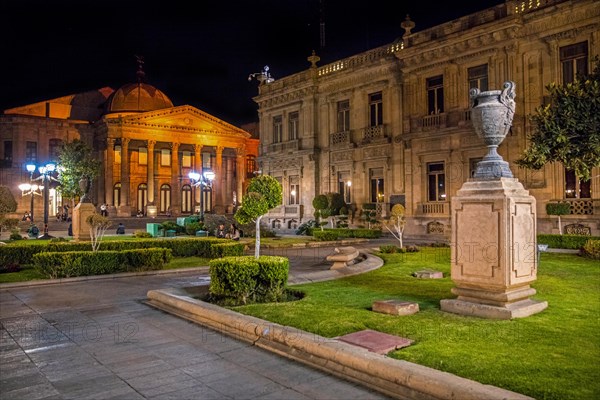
(289, 146)
(582, 206)
(374, 134)
(440, 208)
(339, 138)
(287, 211)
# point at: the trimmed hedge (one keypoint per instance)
(342, 233)
(555, 241)
(325, 236)
(83, 263)
(591, 249)
(22, 253)
(247, 278)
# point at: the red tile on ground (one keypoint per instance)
(377, 342)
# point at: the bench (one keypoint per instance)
(342, 257)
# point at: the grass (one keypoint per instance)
(551, 355)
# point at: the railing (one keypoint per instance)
(287, 211)
(438, 208)
(433, 121)
(373, 132)
(339, 138)
(581, 207)
(291, 145)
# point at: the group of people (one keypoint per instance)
(232, 233)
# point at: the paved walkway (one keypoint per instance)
(96, 339)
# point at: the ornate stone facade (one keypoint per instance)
(395, 122)
(147, 147)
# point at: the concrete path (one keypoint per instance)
(96, 339)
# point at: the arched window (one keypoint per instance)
(186, 199)
(142, 197)
(165, 198)
(117, 194)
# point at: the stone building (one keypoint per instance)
(392, 125)
(147, 147)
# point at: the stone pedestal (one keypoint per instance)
(81, 230)
(494, 251)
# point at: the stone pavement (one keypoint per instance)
(96, 339)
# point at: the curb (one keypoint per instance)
(396, 378)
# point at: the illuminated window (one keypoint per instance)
(277, 129)
(117, 194)
(294, 197)
(293, 125)
(375, 109)
(207, 160)
(186, 199)
(117, 154)
(165, 198)
(142, 196)
(186, 159)
(377, 185)
(576, 188)
(574, 60)
(344, 186)
(436, 182)
(435, 95)
(143, 156)
(343, 116)
(165, 157)
(250, 166)
(478, 77)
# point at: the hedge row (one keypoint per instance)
(564, 241)
(22, 253)
(248, 278)
(341, 233)
(82, 263)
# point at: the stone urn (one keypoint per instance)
(492, 114)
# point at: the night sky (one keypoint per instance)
(199, 55)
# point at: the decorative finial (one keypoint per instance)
(407, 25)
(313, 59)
(141, 75)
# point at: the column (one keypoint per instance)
(150, 172)
(125, 208)
(241, 174)
(108, 171)
(198, 169)
(217, 185)
(175, 181)
(229, 184)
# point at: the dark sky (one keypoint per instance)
(199, 55)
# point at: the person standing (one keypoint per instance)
(103, 210)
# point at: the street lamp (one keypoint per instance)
(204, 180)
(46, 177)
(263, 76)
(30, 189)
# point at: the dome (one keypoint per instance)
(137, 97)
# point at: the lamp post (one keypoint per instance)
(46, 176)
(203, 180)
(30, 189)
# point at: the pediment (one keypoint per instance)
(184, 118)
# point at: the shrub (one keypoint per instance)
(171, 226)
(15, 235)
(325, 236)
(247, 278)
(388, 248)
(58, 240)
(591, 249)
(412, 249)
(306, 228)
(565, 241)
(10, 267)
(192, 227)
(142, 234)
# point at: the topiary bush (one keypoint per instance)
(591, 249)
(325, 236)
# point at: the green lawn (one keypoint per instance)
(551, 355)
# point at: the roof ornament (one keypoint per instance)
(262, 77)
(141, 75)
(407, 25)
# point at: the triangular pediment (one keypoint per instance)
(184, 118)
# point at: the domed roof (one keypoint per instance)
(137, 97)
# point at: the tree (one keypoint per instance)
(321, 205)
(77, 164)
(98, 226)
(567, 129)
(264, 193)
(397, 222)
(8, 204)
(560, 208)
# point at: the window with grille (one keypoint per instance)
(435, 95)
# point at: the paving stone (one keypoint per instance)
(377, 342)
(428, 274)
(395, 307)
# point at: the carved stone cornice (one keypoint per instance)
(569, 33)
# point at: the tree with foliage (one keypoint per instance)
(77, 169)
(98, 226)
(396, 222)
(321, 205)
(560, 208)
(264, 193)
(335, 202)
(567, 129)
(8, 204)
